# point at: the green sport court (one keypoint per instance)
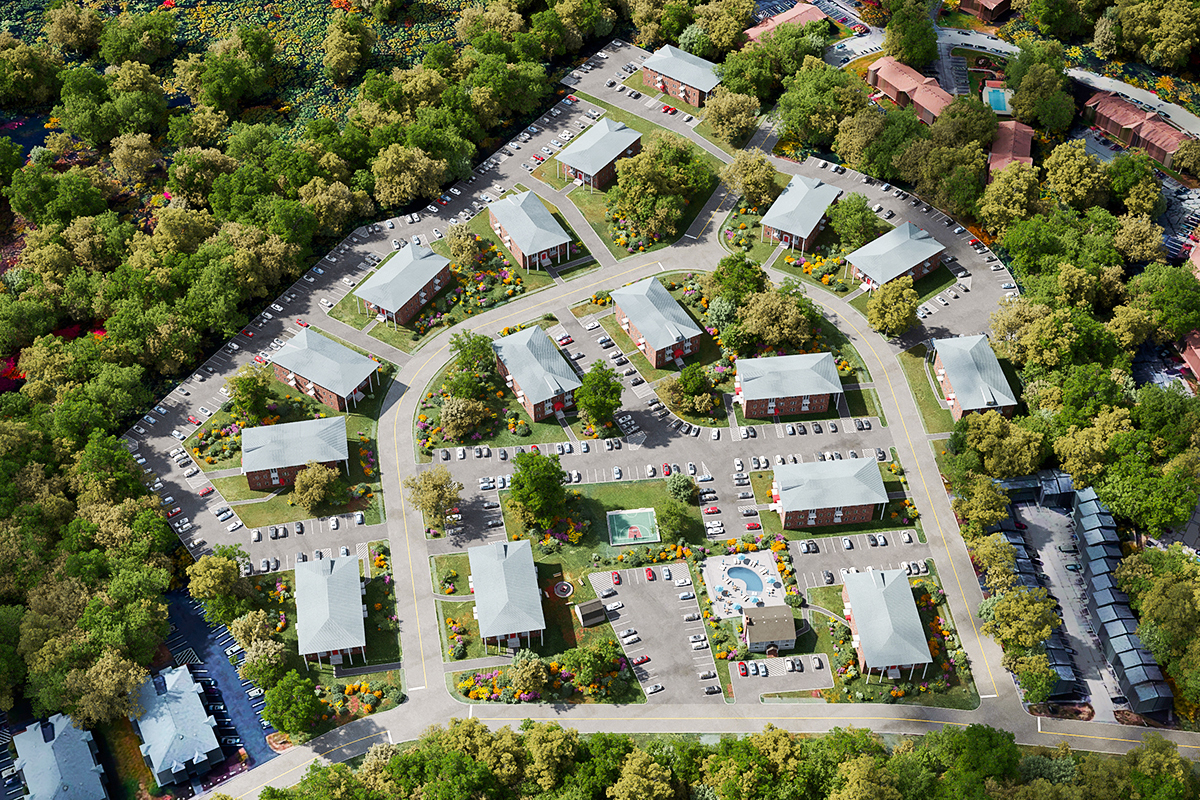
(632, 526)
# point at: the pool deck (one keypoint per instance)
(716, 576)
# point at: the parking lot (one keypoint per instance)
(832, 557)
(812, 674)
(653, 609)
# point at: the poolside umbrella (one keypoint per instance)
(737, 606)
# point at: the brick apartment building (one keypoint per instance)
(529, 230)
(904, 250)
(330, 611)
(680, 74)
(592, 157)
(800, 15)
(971, 377)
(403, 284)
(1013, 143)
(798, 215)
(325, 370)
(657, 324)
(1134, 126)
(273, 455)
(537, 372)
(885, 626)
(821, 493)
(807, 383)
(905, 86)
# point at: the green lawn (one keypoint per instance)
(936, 418)
(859, 302)
(961, 19)
(235, 488)
(587, 308)
(347, 310)
(441, 567)
(938, 280)
(462, 614)
(865, 403)
(548, 171)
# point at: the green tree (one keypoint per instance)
(73, 27)
(654, 187)
(348, 43)
(696, 41)
(681, 487)
(216, 581)
(1042, 99)
(250, 628)
(599, 395)
(316, 485)
(250, 390)
(736, 277)
(264, 663)
(1023, 617)
(539, 486)
(979, 503)
(1160, 33)
(674, 519)
(965, 120)
(528, 673)
(853, 221)
(104, 690)
(732, 116)
(292, 703)
(133, 156)
(1139, 239)
(433, 491)
(910, 35)
(642, 778)
(817, 99)
(460, 416)
(1036, 677)
(892, 308)
(138, 37)
(865, 778)
(29, 75)
(1168, 294)
(777, 319)
(1006, 448)
(1013, 195)
(693, 381)
(12, 666)
(869, 142)
(751, 176)
(464, 245)
(551, 750)
(997, 559)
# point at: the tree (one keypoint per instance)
(997, 559)
(316, 485)
(250, 628)
(250, 390)
(599, 394)
(980, 503)
(348, 42)
(12, 666)
(853, 221)
(464, 245)
(334, 204)
(216, 581)
(655, 186)
(1013, 195)
(539, 485)
(869, 142)
(865, 778)
(264, 662)
(29, 75)
(693, 381)
(736, 277)
(732, 116)
(292, 703)
(528, 673)
(551, 750)
(681, 487)
(965, 120)
(1075, 176)
(751, 176)
(674, 519)
(1042, 100)
(1036, 677)
(1006, 448)
(72, 27)
(817, 99)
(1160, 33)
(892, 308)
(460, 416)
(1187, 157)
(910, 36)
(103, 691)
(1023, 617)
(694, 40)
(1139, 239)
(1168, 294)
(777, 319)
(133, 156)
(433, 491)
(642, 778)
(138, 37)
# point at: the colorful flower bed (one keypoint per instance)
(588, 674)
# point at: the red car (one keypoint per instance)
(666, 470)
(192, 419)
(974, 242)
(649, 574)
(533, 448)
(301, 323)
(566, 339)
(712, 510)
(1021, 526)
(260, 359)
(174, 512)
(206, 491)
(742, 669)
(637, 662)
(665, 109)
(248, 334)
(616, 576)
(440, 201)
(671, 110)
(753, 526)
(573, 98)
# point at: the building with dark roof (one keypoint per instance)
(798, 215)
(817, 493)
(591, 612)
(659, 327)
(680, 74)
(57, 761)
(537, 372)
(508, 601)
(330, 610)
(971, 378)
(403, 284)
(807, 383)
(273, 455)
(177, 732)
(887, 631)
(325, 370)
(769, 629)
(904, 250)
(529, 230)
(592, 157)
(1134, 127)
(905, 86)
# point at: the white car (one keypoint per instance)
(650, 471)
(617, 606)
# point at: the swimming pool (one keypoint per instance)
(747, 576)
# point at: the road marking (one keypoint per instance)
(989, 696)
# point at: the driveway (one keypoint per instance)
(654, 610)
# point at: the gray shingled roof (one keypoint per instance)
(401, 275)
(325, 362)
(895, 253)
(507, 597)
(294, 443)
(786, 376)
(529, 223)
(329, 606)
(829, 484)
(684, 67)
(974, 372)
(598, 146)
(769, 624)
(536, 364)
(56, 761)
(175, 726)
(798, 210)
(655, 313)
(889, 627)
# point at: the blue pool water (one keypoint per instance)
(997, 100)
(747, 576)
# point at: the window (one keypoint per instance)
(274, 477)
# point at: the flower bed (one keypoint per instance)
(588, 674)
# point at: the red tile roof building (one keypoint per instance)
(1134, 127)
(1013, 143)
(800, 14)
(907, 87)
(986, 10)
